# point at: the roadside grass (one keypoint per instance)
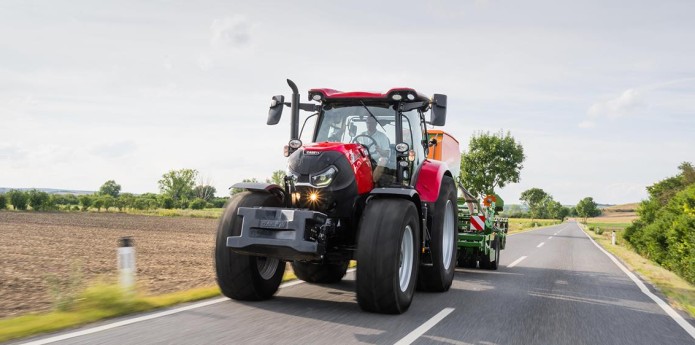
(526, 224)
(680, 293)
(103, 301)
(161, 212)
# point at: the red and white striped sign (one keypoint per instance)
(478, 223)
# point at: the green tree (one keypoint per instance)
(278, 178)
(3, 202)
(111, 188)
(108, 200)
(98, 203)
(127, 200)
(38, 200)
(205, 192)
(18, 199)
(492, 160)
(239, 190)
(166, 202)
(587, 208)
(198, 204)
(534, 199)
(86, 201)
(178, 183)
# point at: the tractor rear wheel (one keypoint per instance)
(322, 273)
(387, 256)
(245, 277)
(439, 276)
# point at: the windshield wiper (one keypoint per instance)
(372, 115)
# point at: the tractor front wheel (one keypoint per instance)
(387, 256)
(245, 277)
(321, 273)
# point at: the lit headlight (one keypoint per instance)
(323, 179)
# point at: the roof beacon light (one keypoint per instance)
(316, 97)
(411, 96)
(396, 97)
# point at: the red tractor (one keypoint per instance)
(363, 189)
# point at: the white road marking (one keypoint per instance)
(540, 245)
(516, 262)
(418, 332)
(144, 318)
(667, 308)
(550, 238)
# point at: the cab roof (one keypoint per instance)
(407, 95)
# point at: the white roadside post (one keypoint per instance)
(126, 263)
(613, 238)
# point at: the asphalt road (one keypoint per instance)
(554, 287)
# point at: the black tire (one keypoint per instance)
(496, 245)
(321, 273)
(467, 261)
(379, 250)
(439, 276)
(245, 277)
(484, 260)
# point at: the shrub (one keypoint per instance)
(198, 204)
(86, 201)
(18, 199)
(40, 201)
(3, 202)
(167, 202)
(598, 231)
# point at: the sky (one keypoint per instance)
(601, 94)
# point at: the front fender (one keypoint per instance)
(429, 179)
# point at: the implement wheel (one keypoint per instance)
(387, 256)
(321, 273)
(439, 276)
(245, 277)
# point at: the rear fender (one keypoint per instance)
(262, 187)
(429, 179)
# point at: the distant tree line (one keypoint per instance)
(179, 189)
(541, 205)
(665, 229)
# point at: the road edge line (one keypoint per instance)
(133, 320)
(517, 261)
(661, 303)
(418, 332)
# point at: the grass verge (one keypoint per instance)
(103, 301)
(680, 293)
(517, 225)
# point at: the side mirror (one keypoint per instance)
(275, 112)
(352, 130)
(438, 110)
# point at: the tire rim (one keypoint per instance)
(267, 266)
(448, 232)
(405, 267)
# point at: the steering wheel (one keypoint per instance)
(369, 146)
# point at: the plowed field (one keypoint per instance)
(40, 251)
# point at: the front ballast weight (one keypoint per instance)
(290, 234)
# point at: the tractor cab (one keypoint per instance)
(390, 128)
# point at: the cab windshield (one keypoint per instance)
(373, 126)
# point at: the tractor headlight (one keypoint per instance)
(324, 178)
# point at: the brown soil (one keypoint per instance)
(37, 248)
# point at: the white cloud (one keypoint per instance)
(629, 102)
(230, 32)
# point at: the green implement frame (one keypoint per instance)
(476, 247)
